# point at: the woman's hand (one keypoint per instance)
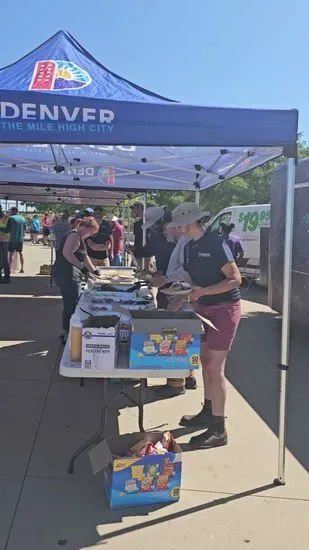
(197, 292)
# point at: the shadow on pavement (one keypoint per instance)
(181, 514)
(22, 285)
(252, 369)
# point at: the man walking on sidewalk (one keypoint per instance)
(16, 226)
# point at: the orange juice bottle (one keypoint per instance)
(76, 338)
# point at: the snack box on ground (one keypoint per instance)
(100, 338)
(131, 478)
(165, 340)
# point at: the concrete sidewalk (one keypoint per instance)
(227, 501)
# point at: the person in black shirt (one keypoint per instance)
(157, 244)
(98, 245)
(72, 265)
(137, 210)
(216, 279)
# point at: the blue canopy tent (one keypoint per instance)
(67, 121)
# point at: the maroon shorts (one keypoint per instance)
(225, 317)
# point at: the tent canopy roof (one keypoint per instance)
(128, 168)
(61, 66)
(47, 194)
(60, 94)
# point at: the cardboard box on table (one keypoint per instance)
(129, 481)
(100, 335)
(165, 340)
(124, 314)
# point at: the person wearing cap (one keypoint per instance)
(116, 254)
(88, 212)
(79, 215)
(216, 280)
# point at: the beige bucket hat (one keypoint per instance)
(111, 218)
(186, 213)
(152, 215)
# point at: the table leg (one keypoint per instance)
(141, 401)
(99, 434)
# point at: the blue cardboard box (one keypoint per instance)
(165, 340)
(128, 481)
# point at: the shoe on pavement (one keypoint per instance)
(191, 383)
(21, 271)
(165, 392)
(209, 439)
(203, 419)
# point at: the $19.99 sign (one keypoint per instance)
(252, 220)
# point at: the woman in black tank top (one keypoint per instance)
(72, 265)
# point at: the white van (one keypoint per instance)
(248, 221)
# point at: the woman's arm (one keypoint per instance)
(90, 265)
(111, 240)
(232, 280)
(240, 250)
(71, 245)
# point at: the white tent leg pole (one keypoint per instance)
(286, 308)
(128, 235)
(144, 230)
(197, 197)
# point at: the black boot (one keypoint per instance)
(216, 436)
(209, 439)
(191, 383)
(203, 418)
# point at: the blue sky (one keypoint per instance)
(219, 52)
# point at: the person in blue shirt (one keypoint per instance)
(16, 227)
(233, 241)
(35, 228)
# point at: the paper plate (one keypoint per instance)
(173, 292)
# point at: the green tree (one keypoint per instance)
(250, 188)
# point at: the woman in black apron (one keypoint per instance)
(73, 265)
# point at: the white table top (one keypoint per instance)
(70, 369)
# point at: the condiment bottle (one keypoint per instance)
(76, 337)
